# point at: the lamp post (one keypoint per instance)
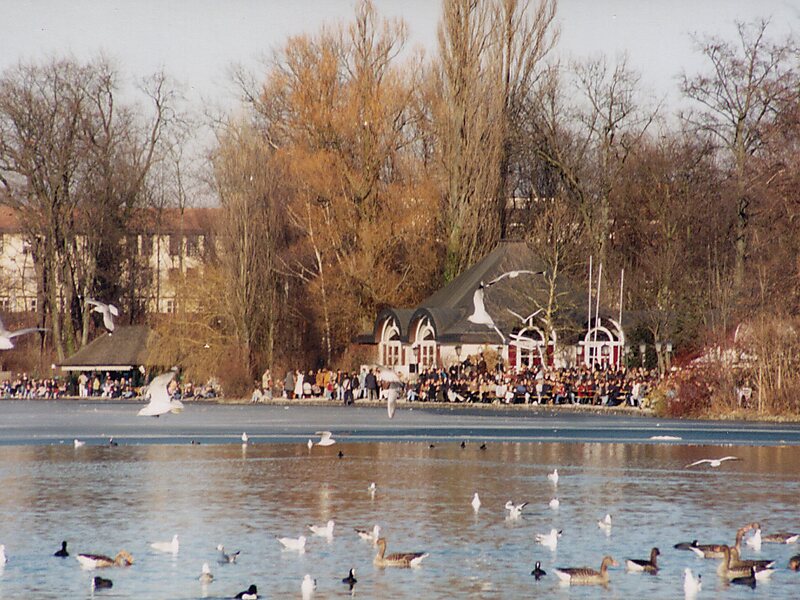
(642, 351)
(458, 358)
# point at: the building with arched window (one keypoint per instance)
(438, 332)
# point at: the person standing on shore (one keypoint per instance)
(288, 385)
(371, 384)
(266, 384)
(298, 385)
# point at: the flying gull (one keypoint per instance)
(109, 311)
(7, 337)
(160, 400)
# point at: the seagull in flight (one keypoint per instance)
(524, 320)
(479, 315)
(160, 400)
(6, 336)
(714, 462)
(109, 311)
(325, 439)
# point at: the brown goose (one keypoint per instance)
(729, 571)
(585, 575)
(648, 566)
(738, 561)
(98, 561)
(716, 550)
(781, 537)
(399, 559)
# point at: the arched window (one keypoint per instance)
(390, 344)
(602, 344)
(530, 347)
(425, 343)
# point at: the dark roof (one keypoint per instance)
(125, 349)
(449, 307)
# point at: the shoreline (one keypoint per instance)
(474, 408)
(493, 408)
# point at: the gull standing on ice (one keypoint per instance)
(554, 503)
(549, 539)
(476, 502)
(227, 558)
(160, 400)
(109, 311)
(308, 586)
(172, 546)
(7, 336)
(298, 544)
(553, 476)
(326, 438)
(323, 530)
(206, 576)
(605, 524)
(754, 541)
(515, 510)
(78, 443)
(691, 584)
(310, 444)
(372, 489)
(369, 535)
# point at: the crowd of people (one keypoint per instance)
(470, 382)
(94, 385)
(24, 387)
(573, 385)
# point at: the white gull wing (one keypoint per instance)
(160, 401)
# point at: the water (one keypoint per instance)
(155, 484)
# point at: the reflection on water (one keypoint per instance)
(104, 499)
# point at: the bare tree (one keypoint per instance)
(74, 162)
(748, 81)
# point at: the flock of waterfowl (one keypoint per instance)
(732, 567)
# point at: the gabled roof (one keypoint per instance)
(449, 308)
(123, 350)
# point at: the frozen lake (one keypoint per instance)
(156, 483)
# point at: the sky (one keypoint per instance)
(198, 41)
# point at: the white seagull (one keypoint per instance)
(172, 546)
(226, 558)
(109, 311)
(554, 503)
(714, 462)
(323, 530)
(391, 401)
(298, 544)
(515, 510)
(754, 541)
(308, 586)
(310, 444)
(549, 539)
(553, 476)
(326, 438)
(372, 489)
(160, 400)
(605, 523)
(206, 576)
(245, 439)
(78, 443)
(370, 535)
(7, 336)
(691, 585)
(476, 502)
(524, 320)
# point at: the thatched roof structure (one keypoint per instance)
(123, 350)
